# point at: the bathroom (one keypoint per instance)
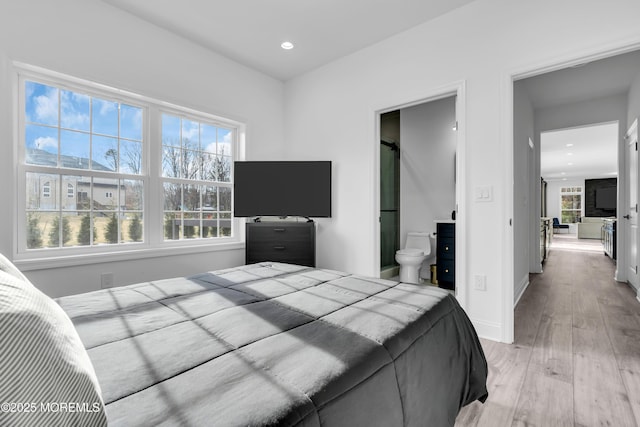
(417, 178)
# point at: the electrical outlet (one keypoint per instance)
(106, 280)
(480, 282)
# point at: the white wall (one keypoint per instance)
(526, 209)
(600, 110)
(91, 40)
(633, 106)
(427, 168)
(331, 113)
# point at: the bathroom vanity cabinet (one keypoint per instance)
(446, 254)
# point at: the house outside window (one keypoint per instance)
(86, 156)
(570, 204)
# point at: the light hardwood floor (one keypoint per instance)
(575, 360)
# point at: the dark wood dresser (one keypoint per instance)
(289, 242)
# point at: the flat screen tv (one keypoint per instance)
(282, 188)
(606, 198)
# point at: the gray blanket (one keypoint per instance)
(278, 344)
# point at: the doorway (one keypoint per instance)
(572, 97)
(389, 193)
(418, 145)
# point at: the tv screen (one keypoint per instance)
(282, 188)
(606, 198)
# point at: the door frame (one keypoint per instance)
(507, 142)
(457, 89)
(625, 226)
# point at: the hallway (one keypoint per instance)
(576, 356)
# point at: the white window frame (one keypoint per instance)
(572, 193)
(153, 235)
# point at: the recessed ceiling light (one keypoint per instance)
(569, 145)
(570, 163)
(569, 154)
(287, 45)
(563, 173)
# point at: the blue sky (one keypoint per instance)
(75, 124)
(47, 107)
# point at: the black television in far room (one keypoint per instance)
(282, 188)
(606, 198)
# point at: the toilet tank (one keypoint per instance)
(418, 240)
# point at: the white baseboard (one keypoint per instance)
(522, 286)
(489, 330)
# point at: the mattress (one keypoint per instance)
(279, 344)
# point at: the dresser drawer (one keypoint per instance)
(281, 233)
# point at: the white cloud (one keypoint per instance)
(192, 133)
(45, 142)
(71, 116)
(46, 107)
(105, 107)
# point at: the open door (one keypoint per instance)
(631, 207)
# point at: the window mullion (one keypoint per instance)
(154, 199)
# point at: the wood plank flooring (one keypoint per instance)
(575, 360)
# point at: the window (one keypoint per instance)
(86, 153)
(570, 204)
(196, 171)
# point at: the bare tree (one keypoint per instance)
(111, 156)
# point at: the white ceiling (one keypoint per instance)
(584, 152)
(595, 148)
(250, 31)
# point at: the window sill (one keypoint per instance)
(70, 260)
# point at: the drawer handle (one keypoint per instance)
(279, 230)
(279, 248)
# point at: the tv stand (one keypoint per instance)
(259, 219)
(281, 241)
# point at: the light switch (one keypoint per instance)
(483, 194)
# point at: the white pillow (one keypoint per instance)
(46, 377)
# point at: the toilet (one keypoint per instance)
(416, 250)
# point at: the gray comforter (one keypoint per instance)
(278, 344)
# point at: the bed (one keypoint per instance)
(274, 344)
